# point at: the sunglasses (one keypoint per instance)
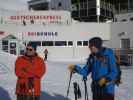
(29, 49)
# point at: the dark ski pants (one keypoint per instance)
(26, 97)
(46, 56)
(103, 97)
(99, 93)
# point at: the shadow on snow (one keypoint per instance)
(4, 95)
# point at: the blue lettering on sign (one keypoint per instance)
(42, 33)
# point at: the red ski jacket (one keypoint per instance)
(29, 71)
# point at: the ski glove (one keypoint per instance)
(102, 81)
(71, 68)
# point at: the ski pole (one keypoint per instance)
(75, 90)
(33, 93)
(69, 83)
(31, 89)
(86, 92)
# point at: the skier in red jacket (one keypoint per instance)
(29, 70)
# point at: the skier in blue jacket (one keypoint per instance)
(102, 66)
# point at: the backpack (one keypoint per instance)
(118, 78)
(90, 60)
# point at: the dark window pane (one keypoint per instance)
(12, 45)
(38, 43)
(85, 43)
(4, 42)
(60, 43)
(123, 20)
(131, 19)
(79, 43)
(5, 48)
(70, 43)
(13, 51)
(47, 43)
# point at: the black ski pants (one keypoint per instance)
(27, 97)
(103, 97)
(99, 94)
(46, 56)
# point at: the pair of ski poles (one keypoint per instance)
(32, 95)
(84, 79)
(85, 86)
(31, 90)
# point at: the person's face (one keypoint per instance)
(30, 51)
(93, 49)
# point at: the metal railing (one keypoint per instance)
(125, 56)
(130, 59)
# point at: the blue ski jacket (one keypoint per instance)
(106, 68)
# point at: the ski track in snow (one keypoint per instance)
(55, 82)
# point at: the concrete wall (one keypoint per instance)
(110, 32)
(74, 32)
(117, 30)
(79, 31)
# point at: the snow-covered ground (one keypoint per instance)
(55, 82)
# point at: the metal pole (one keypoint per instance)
(87, 8)
(98, 18)
(98, 10)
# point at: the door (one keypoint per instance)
(125, 43)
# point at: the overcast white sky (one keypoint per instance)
(14, 4)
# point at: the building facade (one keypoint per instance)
(82, 10)
(124, 6)
(54, 30)
(93, 10)
(49, 5)
(57, 31)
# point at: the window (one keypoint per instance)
(123, 20)
(5, 45)
(60, 43)
(12, 45)
(47, 43)
(70, 43)
(85, 43)
(13, 52)
(5, 48)
(125, 43)
(4, 42)
(131, 19)
(38, 43)
(59, 4)
(79, 43)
